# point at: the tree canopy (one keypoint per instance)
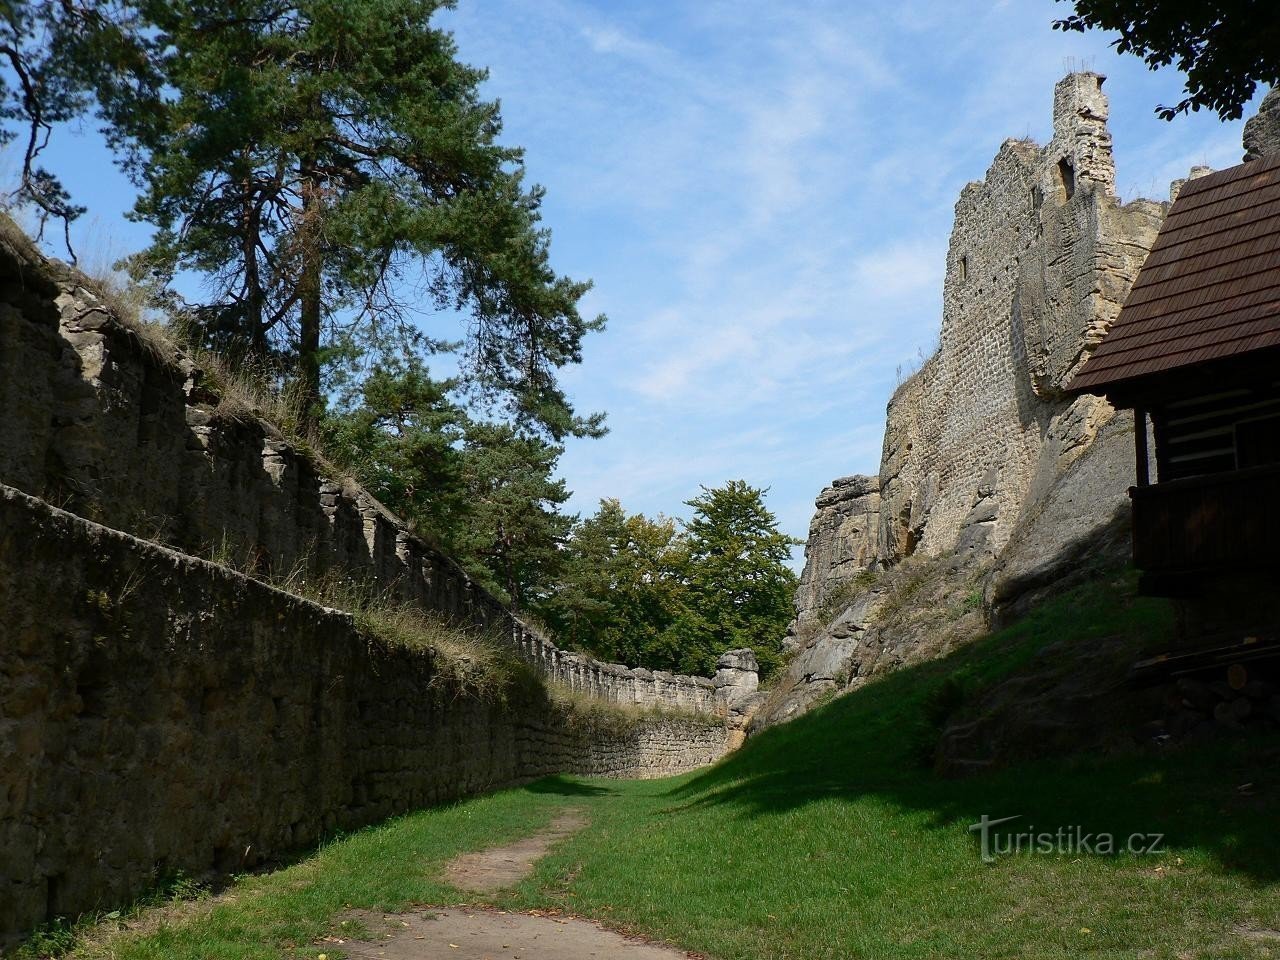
(1225, 47)
(485, 492)
(671, 596)
(329, 167)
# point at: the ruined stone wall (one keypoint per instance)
(1041, 257)
(132, 435)
(160, 713)
(993, 482)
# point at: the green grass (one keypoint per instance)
(824, 838)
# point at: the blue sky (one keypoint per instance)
(762, 193)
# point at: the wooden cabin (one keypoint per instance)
(1195, 353)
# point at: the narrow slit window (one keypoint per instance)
(1067, 174)
(964, 269)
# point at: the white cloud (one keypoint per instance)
(911, 268)
(764, 196)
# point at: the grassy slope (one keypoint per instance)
(822, 838)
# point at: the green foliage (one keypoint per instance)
(646, 592)
(940, 703)
(740, 583)
(485, 492)
(1225, 48)
(399, 433)
(328, 166)
(514, 526)
(623, 591)
(314, 158)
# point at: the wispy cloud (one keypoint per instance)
(763, 195)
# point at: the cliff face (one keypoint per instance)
(1262, 133)
(992, 480)
(843, 540)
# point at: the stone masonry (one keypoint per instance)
(1041, 256)
(104, 423)
(987, 464)
(162, 713)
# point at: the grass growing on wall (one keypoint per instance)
(823, 838)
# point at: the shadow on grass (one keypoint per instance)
(560, 786)
(864, 744)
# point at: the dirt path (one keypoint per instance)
(490, 935)
(496, 934)
(500, 867)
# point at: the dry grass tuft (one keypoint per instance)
(590, 713)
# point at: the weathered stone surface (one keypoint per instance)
(990, 473)
(1041, 257)
(843, 541)
(159, 712)
(1262, 132)
(1078, 512)
(987, 463)
(916, 610)
(128, 433)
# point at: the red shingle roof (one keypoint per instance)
(1210, 288)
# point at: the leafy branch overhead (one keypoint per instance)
(1224, 47)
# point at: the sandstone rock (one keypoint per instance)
(1262, 132)
(985, 457)
(843, 541)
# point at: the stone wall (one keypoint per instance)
(1041, 257)
(160, 713)
(993, 482)
(127, 432)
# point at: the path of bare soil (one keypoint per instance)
(497, 868)
(494, 935)
(462, 934)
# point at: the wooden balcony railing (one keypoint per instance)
(1216, 521)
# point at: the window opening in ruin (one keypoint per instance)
(1067, 174)
(1037, 198)
(964, 269)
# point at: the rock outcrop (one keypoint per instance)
(843, 541)
(992, 479)
(1262, 132)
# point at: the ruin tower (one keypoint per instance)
(1041, 256)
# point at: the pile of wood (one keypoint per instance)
(1232, 686)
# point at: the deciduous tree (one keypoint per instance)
(1225, 47)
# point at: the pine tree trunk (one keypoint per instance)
(309, 297)
(252, 277)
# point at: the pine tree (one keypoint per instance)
(326, 165)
